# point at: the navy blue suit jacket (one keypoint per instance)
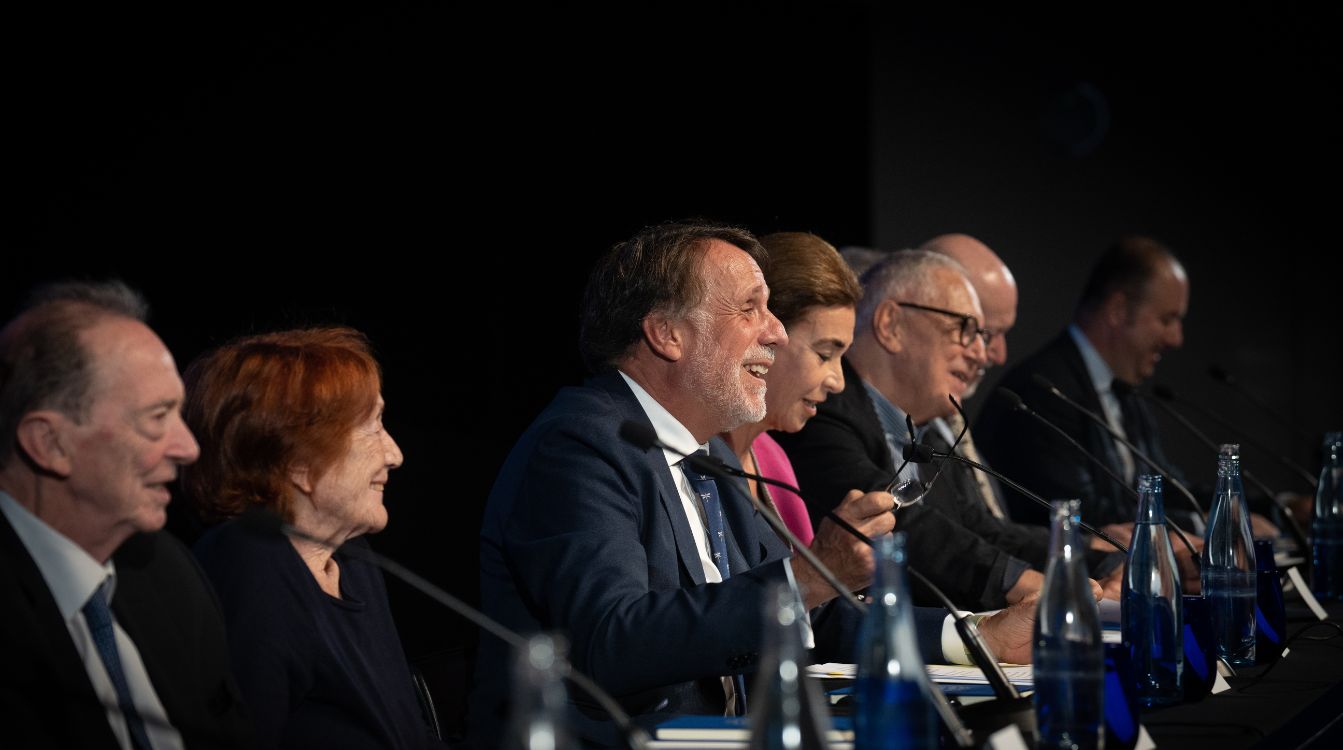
(585, 535)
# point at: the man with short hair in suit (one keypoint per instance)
(110, 637)
(658, 584)
(1131, 311)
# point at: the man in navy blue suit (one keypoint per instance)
(657, 589)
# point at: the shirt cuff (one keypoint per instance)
(953, 648)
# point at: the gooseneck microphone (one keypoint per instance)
(1166, 394)
(1220, 374)
(1044, 382)
(1015, 403)
(267, 523)
(1297, 533)
(644, 436)
(916, 453)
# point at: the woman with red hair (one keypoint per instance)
(291, 423)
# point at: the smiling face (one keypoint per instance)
(1152, 325)
(730, 339)
(347, 498)
(931, 362)
(127, 449)
(807, 369)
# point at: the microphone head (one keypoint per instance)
(1122, 388)
(917, 453)
(1014, 401)
(1163, 392)
(1044, 382)
(641, 434)
(1220, 375)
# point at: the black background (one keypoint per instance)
(442, 178)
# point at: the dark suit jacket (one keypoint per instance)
(1041, 460)
(956, 493)
(163, 603)
(843, 448)
(585, 535)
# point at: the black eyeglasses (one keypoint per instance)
(912, 491)
(969, 326)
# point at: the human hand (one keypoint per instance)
(1029, 583)
(1009, 632)
(849, 558)
(1120, 532)
(1262, 528)
(1188, 564)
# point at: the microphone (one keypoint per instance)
(1199, 435)
(645, 437)
(1222, 376)
(1044, 382)
(267, 523)
(1166, 394)
(1015, 403)
(921, 454)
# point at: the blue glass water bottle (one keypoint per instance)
(1228, 574)
(1151, 605)
(893, 709)
(1326, 524)
(1068, 654)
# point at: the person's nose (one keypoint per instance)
(391, 451)
(182, 446)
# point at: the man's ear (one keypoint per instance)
(45, 436)
(886, 321)
(665, 336)
(1115, 311)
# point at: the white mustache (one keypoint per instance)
(761, 352)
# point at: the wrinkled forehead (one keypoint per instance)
(127, 359)
(950, 289)
(730, 272)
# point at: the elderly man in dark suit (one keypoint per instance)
(656, 581)
(919, 339)
(109, 636)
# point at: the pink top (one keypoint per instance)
(774, 463)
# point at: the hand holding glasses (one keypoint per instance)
(912, 491)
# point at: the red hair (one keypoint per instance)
(263, 405)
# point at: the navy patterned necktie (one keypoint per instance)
(707, 490)
(99, 618)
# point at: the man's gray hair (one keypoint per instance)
(902, 276)
(43, 365)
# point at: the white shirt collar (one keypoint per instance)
(1101, 374)
(669, 430)
(72, 575)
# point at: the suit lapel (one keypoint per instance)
(668, 495)
(45, 641)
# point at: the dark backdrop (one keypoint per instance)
(442, 179)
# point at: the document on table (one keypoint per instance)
(1020, 674)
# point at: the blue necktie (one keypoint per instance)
(99, 619)
(707, 490)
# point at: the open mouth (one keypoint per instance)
(758, 371)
